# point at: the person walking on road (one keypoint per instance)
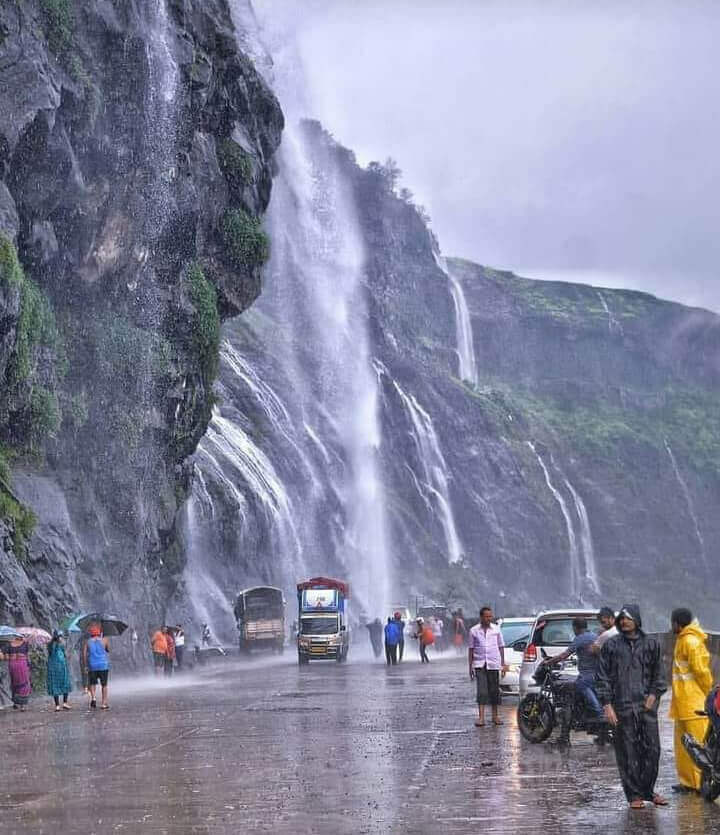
(630, 682)
(391, 641)
(133, 647)
(169, 651)
(58, 672)
(401, 635)
(97, 659)
(159, 649)
(179, 645)
(425, 637)
(375, 629)
(437, 629)
(692, 680)
(205, 635)
(486, 659)
(18, 657)
(459, 631)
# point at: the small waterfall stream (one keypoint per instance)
(463, 325)
(688, 501)
(432, 484)
(586, 541)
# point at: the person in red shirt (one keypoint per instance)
(170, 652)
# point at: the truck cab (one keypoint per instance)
(260, 617)
(322, 619)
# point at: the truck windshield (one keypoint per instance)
(318, 626)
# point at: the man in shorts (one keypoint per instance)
(486, 658)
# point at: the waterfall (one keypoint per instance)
(688, 501)
(291, 458)
(463, 326)
(613, 324)
(586, 542)
(572, 538)
(433, 483)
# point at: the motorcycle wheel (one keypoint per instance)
(535, 718)
(709, 789)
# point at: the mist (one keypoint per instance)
(560, 140)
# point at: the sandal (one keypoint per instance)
(104, 707)
(66, 706)
(637, 803)
(479, 724)
(659, 800)
(498, 722)
(93, 704)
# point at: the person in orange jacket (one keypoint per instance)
(691, 682)
(159, 649)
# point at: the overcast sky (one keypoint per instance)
(559, 139)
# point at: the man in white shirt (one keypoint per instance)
(606, 616)
(486, 659)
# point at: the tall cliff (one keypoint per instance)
(136, 156)
(575, 463)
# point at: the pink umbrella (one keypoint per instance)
(34, 635)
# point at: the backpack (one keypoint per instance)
(427, 636)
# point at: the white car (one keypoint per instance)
(551, 634)
(515, 631)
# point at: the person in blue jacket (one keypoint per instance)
(392, 639)
(97, 659)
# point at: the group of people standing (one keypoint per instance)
(94, 656)
(168, 649)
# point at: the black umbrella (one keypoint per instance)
(110, 624)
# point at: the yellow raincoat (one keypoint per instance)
(691, 682)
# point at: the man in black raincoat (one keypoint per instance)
(629, 684)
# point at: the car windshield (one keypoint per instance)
(318, 626)
(558, 632)
(512, 632)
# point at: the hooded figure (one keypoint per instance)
(691, 682)
(629, 684)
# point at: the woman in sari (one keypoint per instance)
(19, 669)
(58, 672)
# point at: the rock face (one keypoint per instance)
(136, 150)
(580, 467)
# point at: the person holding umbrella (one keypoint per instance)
(58, 672)
(97, 661)
(17, 656)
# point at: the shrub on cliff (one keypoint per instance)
(244, 239)
(235, 164)
(205, 322)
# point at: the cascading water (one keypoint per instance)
(291, 457)
(613, 324)
(463, 326)
(574, 551)
(586, 541)
(688, 501)
(433, 482)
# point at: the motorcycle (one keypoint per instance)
(539, 713)
(706, 754)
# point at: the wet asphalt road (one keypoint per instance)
(270, 747)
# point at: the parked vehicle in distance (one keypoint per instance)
(514, 631)
(323, 619)
(260, 617)
(552, 633)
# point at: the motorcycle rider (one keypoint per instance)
(587, 669)
(630, 682)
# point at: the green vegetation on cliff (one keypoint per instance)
(235, 163)
(206, 321)
(244, 238)
(686, 419)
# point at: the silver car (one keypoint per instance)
(551, 634)
(515, 631)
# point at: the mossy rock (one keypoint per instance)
(205, 321)
(235, 163)
(245, 241)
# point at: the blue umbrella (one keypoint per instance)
(7, 633)
(70, 624)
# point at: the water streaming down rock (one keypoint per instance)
(463, 324)
(432, 484)
(574, 551)
(688, 501)
(586, 541)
